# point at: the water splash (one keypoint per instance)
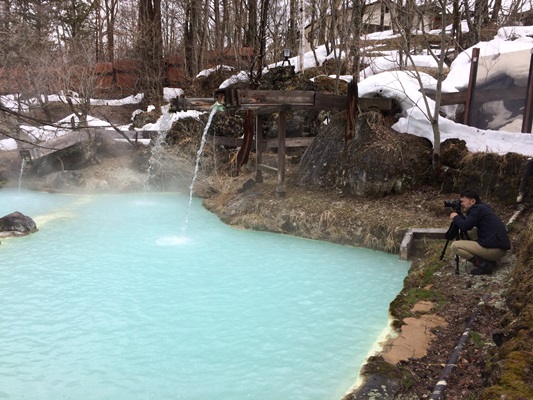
(156, 153)
(172, 241)
(214, 109)
(22, 166)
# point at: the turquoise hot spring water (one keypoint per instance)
(113, 299)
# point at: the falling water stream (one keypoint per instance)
(157, 149)
(22, 166)
(214, 109)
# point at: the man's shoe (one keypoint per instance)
(476, 261)
(485, 268)
(478, 271)
(488, 266)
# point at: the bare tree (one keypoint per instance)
(432, 113)
(150, 51)
(110, 12)
(190, 37)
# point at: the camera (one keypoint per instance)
(454, 204)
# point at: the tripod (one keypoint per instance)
(453, 233)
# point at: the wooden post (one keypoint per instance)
(528, 109)
(244, 152)
(469, 113)
(282, 127)
(352, 109)
(258, 148)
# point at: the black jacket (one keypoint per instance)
(491, 232)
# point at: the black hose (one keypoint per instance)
(442, 383)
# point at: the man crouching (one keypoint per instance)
(492, 241)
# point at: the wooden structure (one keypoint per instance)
(262, 102)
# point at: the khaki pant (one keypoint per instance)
(470, 248)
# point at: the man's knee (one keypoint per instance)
(464, 248)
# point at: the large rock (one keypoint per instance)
(375, 162)
(16, 223)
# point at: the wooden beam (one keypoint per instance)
(282, 131)
(528, 109)
(266, 168)
(265, 98)
(224, 141)
(191, 103)
(291, 142)
(351, 110)
(469, 112)
(326, 101)
(258, 148)
(270, 101)
(269, 143)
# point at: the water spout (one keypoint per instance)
(218, 106)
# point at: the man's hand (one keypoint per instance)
(453, 215)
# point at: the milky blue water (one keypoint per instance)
(108, 300)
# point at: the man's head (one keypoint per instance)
(468, 199)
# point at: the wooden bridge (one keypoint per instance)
(258, 103)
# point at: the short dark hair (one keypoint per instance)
(470, 194)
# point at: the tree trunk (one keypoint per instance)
(357, 32)
(456, 26)
(150, 47)
(382, 12)
(204, 35)
(292, 34)
(190, 38)
(496, 10)
(250, 37)
(478, 19)
(110, 15)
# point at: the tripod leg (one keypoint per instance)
(444, 250)
(456, 264)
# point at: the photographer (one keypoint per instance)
(492, 241)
